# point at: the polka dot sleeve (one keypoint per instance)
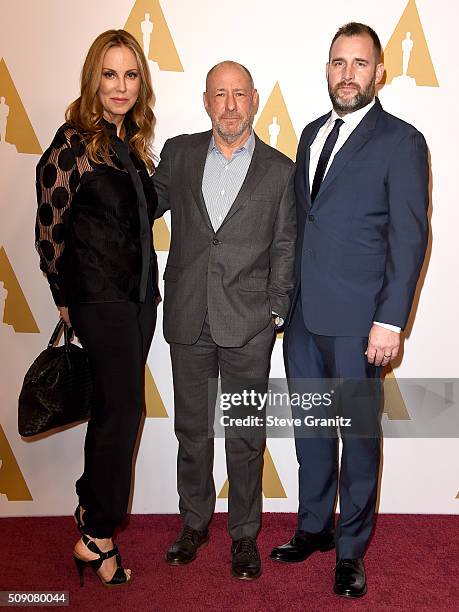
(57, 181)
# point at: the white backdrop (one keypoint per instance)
(43, 45)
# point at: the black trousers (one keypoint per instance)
(192, 367)
(117, 337)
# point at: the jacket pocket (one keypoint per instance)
(373, 261)
(262, 197)
(253, 283)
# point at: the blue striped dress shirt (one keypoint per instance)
(223, 178)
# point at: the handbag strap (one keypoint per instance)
(68, 335)
(56, 333)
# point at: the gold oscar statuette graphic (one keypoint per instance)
(394, 404)
(161, 235)
(274, 125)
(406, 56)
(12, 483)
(271, 483)
(17, 311)
(154, 404)
(15, 127)
(147, 24)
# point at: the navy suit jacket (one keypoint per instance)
(362, 243)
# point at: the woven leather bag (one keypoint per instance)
(57, 388)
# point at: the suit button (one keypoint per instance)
(215, 242)
(311, 218)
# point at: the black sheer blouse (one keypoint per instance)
(93, 228)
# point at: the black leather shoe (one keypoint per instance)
(350, 578)
(245, 564)
(301, 546)
(184, 549)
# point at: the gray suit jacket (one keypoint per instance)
(244, 271)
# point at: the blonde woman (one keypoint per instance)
(93, 233)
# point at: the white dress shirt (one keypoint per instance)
(351, 121)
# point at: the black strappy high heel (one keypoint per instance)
(119, 578)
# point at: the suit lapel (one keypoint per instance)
(255, 173)
(196, 163)
(359, 137)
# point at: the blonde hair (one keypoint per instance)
(86, 112)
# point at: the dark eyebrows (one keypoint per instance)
(355, 59)
(115, 72)
(237, 90)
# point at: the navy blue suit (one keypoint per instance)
(360, 248)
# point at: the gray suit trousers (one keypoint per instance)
(192, 366)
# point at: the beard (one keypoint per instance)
(359, 100)
(230, 135)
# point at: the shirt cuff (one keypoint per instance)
(394, 328)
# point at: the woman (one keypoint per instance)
(95, 211)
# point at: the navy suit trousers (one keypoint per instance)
(328, 358)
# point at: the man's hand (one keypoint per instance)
(64, 314)
(383, 345)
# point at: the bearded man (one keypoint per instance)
(227, 283)
(361, 189)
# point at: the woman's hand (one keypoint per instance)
(64, 314)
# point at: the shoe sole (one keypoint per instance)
(247, 578)
(179, 563)
(115, 586)
(349, 596)
(322, 549)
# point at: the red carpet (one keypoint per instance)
(412, 564)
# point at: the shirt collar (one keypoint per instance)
(249, 145)
(130, 126)
(353, 119)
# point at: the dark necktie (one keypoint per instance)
(122, 151)
(324, 158)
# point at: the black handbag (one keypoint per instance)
(57, 388)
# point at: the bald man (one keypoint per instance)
(227, 283)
